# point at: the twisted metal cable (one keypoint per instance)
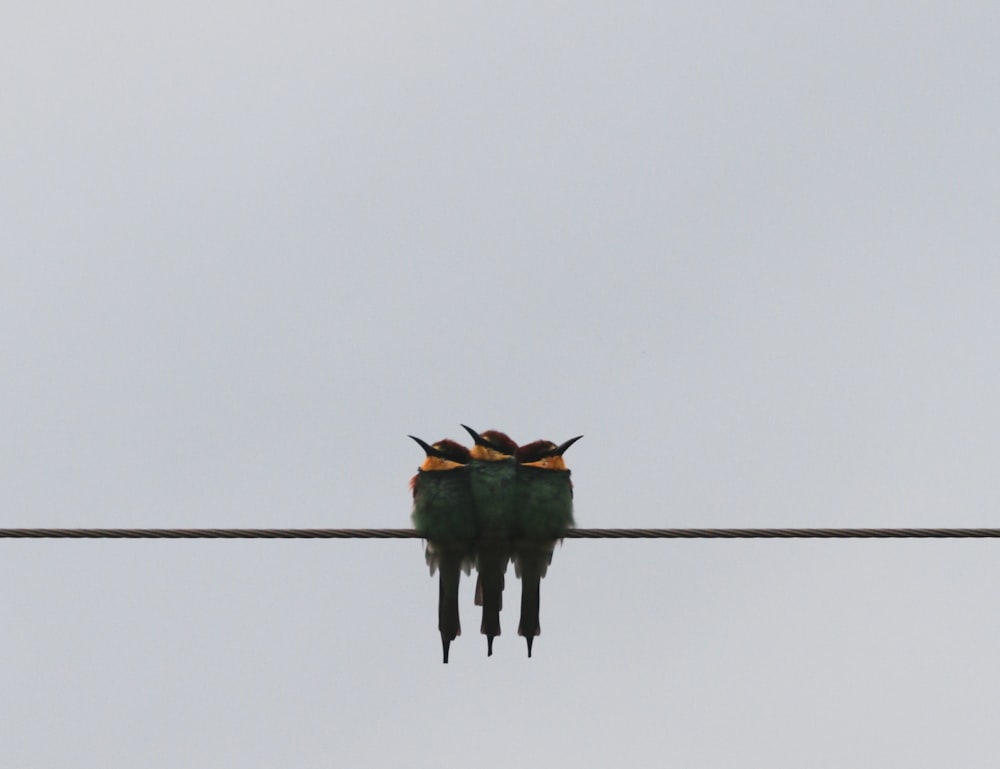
(783, 533)
(867, 533)
(209, 534)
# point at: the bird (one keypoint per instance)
(544, 512)
(492, 475)
(443, 512)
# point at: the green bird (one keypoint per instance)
(443, 512)
(493, 475)
(544, 504)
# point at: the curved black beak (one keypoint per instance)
(480, 441)
(428, 449)
(562, 449)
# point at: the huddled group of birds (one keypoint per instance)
(485, 506)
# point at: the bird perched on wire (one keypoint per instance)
(544, 512)
(492, 475)
(443, 512)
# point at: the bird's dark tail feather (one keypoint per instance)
(531, 564)
(529, 626)
(450, 572)
(489, 592)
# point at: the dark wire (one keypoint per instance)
(571, 534)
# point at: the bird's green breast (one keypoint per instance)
(544, 503)
(443, 508)
(493, 492)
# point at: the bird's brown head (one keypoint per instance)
(446, 454)
(545, 454)
(492, 445)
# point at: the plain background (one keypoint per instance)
(749, 250)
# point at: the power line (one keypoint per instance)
(865, 533)
(783, 534)
(209, 534)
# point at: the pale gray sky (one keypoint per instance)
(749, 250)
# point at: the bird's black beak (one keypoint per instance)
(480, 441)
(428, 449)
(562, 449)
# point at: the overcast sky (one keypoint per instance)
(748, 250)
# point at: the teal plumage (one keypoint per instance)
(544, 513)
(443, 513)
(489, 505)
(493, 475)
